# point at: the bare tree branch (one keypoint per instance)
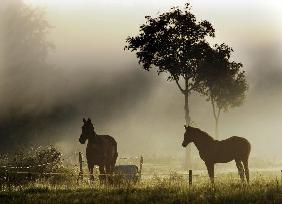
(193, 87)
(218, 112)
(213, 107)
(180, 88)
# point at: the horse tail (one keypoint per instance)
(115, 155)
(115, 152)
(249, 147)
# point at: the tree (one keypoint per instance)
(174, 43)
(23, 51)
(224, 81)
(24, 37)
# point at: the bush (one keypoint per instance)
(41, 163)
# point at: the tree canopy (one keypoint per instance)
(224, 82)
(174, 43)
(24, 34)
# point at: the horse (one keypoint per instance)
(101, 150)
(213, 151)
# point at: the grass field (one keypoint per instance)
(172, 189)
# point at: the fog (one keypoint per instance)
(90, 75)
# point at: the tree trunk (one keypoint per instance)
(216, 118)
(216, 129)
(186, 108)
(185, 91)
(188, 153)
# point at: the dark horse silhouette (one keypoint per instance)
(101, 150)
(213, 151)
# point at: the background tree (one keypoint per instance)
(224, 81)
(173, 43)
(23, 52)
(24, 37)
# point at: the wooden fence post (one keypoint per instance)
(7, 176)
(80, 175)
(190, 177)
(140, 167)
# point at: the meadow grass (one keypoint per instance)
(172, 189)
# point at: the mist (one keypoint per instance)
(90, 75)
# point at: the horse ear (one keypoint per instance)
(89, 120)
(84, 120)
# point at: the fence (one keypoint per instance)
(80, 175)
(14, 170)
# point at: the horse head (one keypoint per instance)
(188, 135)
(87, 130)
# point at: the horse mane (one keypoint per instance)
(93, 136)
(204, 134)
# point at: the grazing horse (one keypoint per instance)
(101, 150)
(213, 151)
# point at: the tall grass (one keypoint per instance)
(172, 189)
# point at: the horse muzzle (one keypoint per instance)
(81, 141)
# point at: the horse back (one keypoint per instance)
(101, 149)
(237, 142)
(231, 148)
(108, 143)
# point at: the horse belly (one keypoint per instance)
(94, 156)
(98, 156)
(224, 155)
(224, 159)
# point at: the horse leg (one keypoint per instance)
(90, 168)
(109, 173)
(240, 169)
(210, 167)
(246, 167)
(112, 165)
(102, 173)
(112, 170)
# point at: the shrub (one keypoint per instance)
(41, 163)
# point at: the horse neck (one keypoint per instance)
(92, 137)
(203, 141)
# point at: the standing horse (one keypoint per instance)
(213, 151)
(101, 150)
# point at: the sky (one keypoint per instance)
(137, 106)
(98, 29)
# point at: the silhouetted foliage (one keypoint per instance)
(224, 81)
